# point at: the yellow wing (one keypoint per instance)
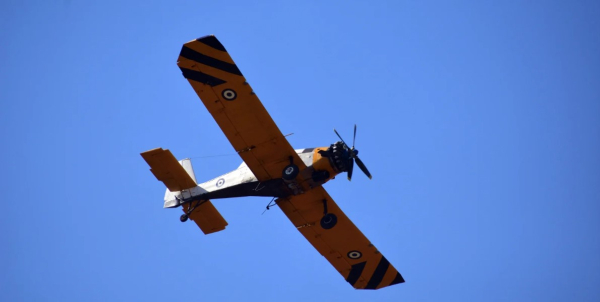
(167, 169)
(236, 109)
(206, 217)
(339, 240)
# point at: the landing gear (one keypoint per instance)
(192, 206)
(290, 172)
(329, 220)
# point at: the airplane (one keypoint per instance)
(270, 168)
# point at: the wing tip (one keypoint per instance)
(151, 151)
(212, 41)
(398, 279)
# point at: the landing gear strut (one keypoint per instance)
(192, 207)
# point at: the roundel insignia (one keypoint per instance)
(220, 182)
(229, 94)
(354, 254)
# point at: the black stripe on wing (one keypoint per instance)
(212, 42)
(193, 55)
(201, 77)
(378, 274)
(355, 272)
(398, 279)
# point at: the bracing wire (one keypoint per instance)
(218, 155)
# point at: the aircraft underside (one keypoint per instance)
(271, 168)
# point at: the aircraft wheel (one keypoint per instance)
(290, 172)
(183, 218)
(328, 221)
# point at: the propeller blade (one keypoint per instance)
(339, 136)
(354, 139)
(363, 168)
(350, 168)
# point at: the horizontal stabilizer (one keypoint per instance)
(167, 169)
(206, 216)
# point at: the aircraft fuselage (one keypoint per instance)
(322, 165)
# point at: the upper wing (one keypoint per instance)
(238, 111)
(341, 242)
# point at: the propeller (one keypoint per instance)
(353, 155)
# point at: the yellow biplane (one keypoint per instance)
(271, 168)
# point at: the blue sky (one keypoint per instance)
(479, 121)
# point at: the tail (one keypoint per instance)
(180, 180)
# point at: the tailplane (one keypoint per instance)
(180, 180)
(165, 168)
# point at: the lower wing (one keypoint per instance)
(334, 235)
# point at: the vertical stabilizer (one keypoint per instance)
(187, 166)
